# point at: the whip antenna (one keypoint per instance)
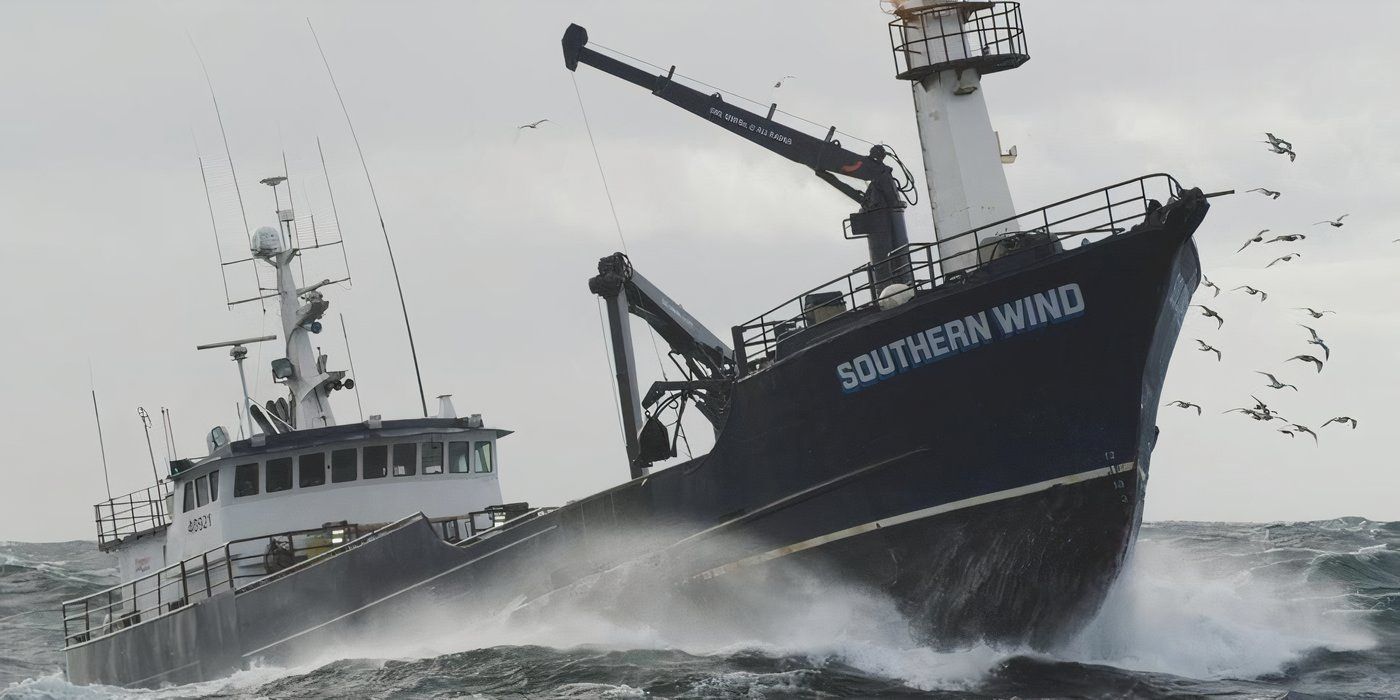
(412, 349)
(146, 426)
(101, 445)
(223, 136)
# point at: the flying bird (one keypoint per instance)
(531, 125)
(1304, 429)
(1307, 358)
(1341, 420)
(1185, 404)
(1284, 150)
(1206, 281)
(1326, 351)
(1285, 258)
(1256, 415)
(1263, 408)
(1312, 312)
(1256, 238)
(1274, 383)
(1287, 238)
(1210, 313)
(1272, 194)
(1334, 223)
(1206, 348)
(780, 81)
(1263, 295)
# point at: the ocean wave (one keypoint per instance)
(1202, 608)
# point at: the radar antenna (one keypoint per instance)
(239, 353)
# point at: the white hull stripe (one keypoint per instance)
(911, 516)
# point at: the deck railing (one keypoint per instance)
(1086, 218)
(132, 514)
(245, 564)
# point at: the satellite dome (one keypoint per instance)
(267, 241)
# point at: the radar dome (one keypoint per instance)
(267, 241)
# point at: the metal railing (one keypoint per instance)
(245, 564)
(501, 519)
(132, 514)
(989, 37)
(1088, 217)
(162, 592)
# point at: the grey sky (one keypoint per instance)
(108, 257)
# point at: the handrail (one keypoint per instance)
(334, 551)
(203, 575)
(490, 531)
(998, 40)
(1109, 211)
(140, 511)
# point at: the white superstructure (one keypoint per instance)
(944, 49)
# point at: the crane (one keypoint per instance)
(880, 219)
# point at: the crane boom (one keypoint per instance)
(822, 155)
(881, 217)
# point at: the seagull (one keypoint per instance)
(1307, 358)
(1256, 238)
(1264, 415)
(780, 81)
(1312, 312)
(1274, 383)
(1335, 223)
(1282, 150)
(1206, 281)
(1272, 194)
(1256, 415)
(1263, 295)
(1207, 348)
(1288, 238)
(531, 125)
(1326, 351)
(1304, 429)
(1285, 258)
(1185, 404)
(1342, 420)
(1210, 313)
(1276, 142)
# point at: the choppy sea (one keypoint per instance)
(1299, 610)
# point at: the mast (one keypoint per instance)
(302, 369)
(943, 49)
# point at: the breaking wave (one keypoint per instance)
(1202, 608)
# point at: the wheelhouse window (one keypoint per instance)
(376, 461)
(405, 459)
(311, 469)
(459, 457)
(189, 496)
(214, 486)
(279, 474)
(245, 480)
(485, 457)
(343, 465)
(201, 490)
(432, 458)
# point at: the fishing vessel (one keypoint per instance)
(964, 425)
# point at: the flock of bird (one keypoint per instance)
(1260, 411)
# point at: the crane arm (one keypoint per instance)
(826, 156)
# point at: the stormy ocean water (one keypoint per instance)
(1307, 609)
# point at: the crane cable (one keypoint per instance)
(617, 222)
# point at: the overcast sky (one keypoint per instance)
(109, 261)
